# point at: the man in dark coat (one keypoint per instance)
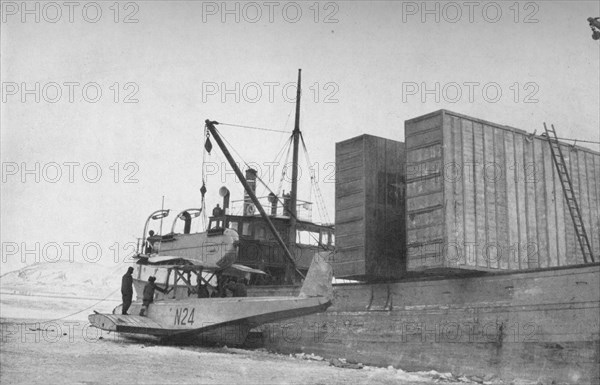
(238, 289)
(149, 294)
(127, 289)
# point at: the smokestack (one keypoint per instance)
(273, 200)
(287, 198)
(249, 208)
(224, 192)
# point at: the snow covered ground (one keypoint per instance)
(46, 338)
(67, 352)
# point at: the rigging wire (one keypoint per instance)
(254, 128)
(315, 184)
(581, 141)
(284, 168)
(279, 155)
(94, 304)
(258, 178)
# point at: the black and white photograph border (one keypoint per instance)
(300, 192)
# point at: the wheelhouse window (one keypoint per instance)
(246, 229)
(305, 237)
(260, 233)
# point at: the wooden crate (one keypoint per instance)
(483, 196)
(370, 208)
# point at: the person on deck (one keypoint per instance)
(218, 211)
(238, 289)
(127, 289)
(149, 243)
(149, 294)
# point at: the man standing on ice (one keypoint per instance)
(149, 294)
(127, 289)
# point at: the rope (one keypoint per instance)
(267, 187)
(315, 184)
(578, 140)
(253, 128)
(91, 306)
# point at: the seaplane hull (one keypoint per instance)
(226, 320)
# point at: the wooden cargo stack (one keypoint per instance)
(482, 196)
(370, 209)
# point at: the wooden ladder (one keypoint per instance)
(567, 186)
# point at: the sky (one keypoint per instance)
(103, 103)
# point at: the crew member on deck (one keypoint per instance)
(238, 289)
(127, 289)
(149, 294)
(149, 243)
(218, 211)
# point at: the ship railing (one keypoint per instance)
(246, 207)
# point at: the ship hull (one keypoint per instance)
(540, 325)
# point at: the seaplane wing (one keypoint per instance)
(164, 258)
(179, 261)
(166, 261)
(173, 259)
(244, 269)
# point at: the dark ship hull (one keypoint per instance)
(512, 325)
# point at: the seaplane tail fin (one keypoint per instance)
(318, 279)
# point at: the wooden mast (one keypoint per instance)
(296, 136)
(294, 193)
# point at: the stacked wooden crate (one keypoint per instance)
(482, 196)
(370, 208)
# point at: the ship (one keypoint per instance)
(492, 277)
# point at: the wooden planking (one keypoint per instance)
(512, 203)
(529, 171)
(515, 221)
(370, 201)
(583, 200)
(521, 247)
(488, 248)
(349, 207)
(395, 211)
(570, 242)
(468, 161)
(476, 179)
(443, 216)
(541, 202)
(551, 229)
(458, 222)
(424, 153)
(573, 250)
(423, 123)
(497, 175)
(593, 165)
(561, 235)
(425, 186)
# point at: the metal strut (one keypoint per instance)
(567, 186)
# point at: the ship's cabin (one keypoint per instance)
(255, 228)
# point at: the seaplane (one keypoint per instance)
(192, 268)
